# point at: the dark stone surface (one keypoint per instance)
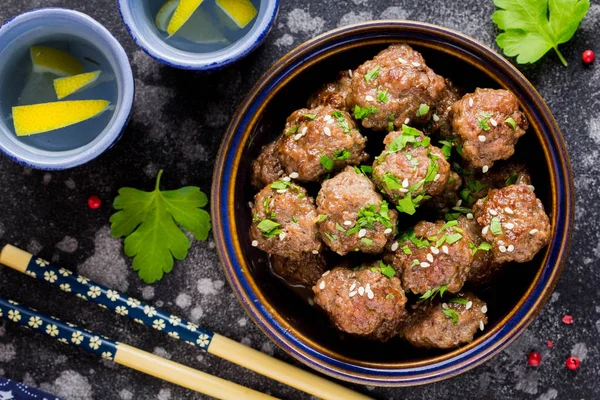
(177, 124)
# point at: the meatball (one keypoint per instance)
(443, 202)
(440, 120)
(410, 169)
(483, 269)
(334, 93)
(445, 325)
(365, 302)
(266, 169)
(488, 124)
(393, 87)
(514, 223)
(355, 216)
(503, 174)
(285, 221)
(433, 255)
(320, 140)
(303, 270)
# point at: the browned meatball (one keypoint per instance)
(440, 120)
(303, 270)
(266, 169)
(285, 221)
(410, 169)
(396, 87)
(514, 223)
(357, 217)
(443, 202)
(446, 324)
(483, 269)
(333, 93)
(488, 124)
(320, 140)
(433, 255)
(503, 174)
(364, 302)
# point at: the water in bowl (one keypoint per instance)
(17, 74)
(209, 29)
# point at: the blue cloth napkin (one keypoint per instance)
(11, 390)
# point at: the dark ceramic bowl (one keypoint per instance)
(514, 299)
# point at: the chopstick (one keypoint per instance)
(125, 355)
(174, 326)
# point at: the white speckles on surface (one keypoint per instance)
(151, 170)
(284, 41)
(70, 184)
(267, 348)
(242, 322)
(196, 314)
(554, 298)
(34, 247)
(354, 17)
(300, 21)
(183, 300)
(68, 244)
(148, 107)
(529, 382)
(164, 394)
(148, 293)
(394, 12)
(580, 351)
(594, 129)
(47, 178)
(159, 351)
(70, 385)
(107, 265)
(206, 286)
(551, 394)
(7, 352)
(125, 394)
(246, 341)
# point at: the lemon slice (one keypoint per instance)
(58, 62)
(182, 13)
(242, 12)
(199, 28)
(45, 117)
(164, 14)
(71, 84)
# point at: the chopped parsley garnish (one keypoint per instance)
(372, 74)
(512, 179)
(496, 226)
(366, 241)
(366, 169)
(310, 116)
(483, 119)
(390, 181)
(339, 227)
(451, 314)
(408, 135)
(391, 119)
(423, 110)
(326, 162)
(293, 129)
(331, 238)
(294, 219)
(390, 296)
(339, 155)
(410, 235)
(484, 246)
(282, 185)
(458, 300)
(322, 217)
(431, 293)
(415, 263)
(406, 205)
(382, 96)
(368, 216)
(269, 228)
(364, 112)
(455, 237)
(341, 120)
(473, 187)
(386, 270)
(449, 224)
(406, 250)
(446, 147)
(511, 122)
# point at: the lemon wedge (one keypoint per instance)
(45, 117)
(164, 14)
(182, 13)
(68, 85)
(242, 12)
(58, 62)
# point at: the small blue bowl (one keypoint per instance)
(56, 24)
(137, 18)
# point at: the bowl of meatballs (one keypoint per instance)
(393, 203)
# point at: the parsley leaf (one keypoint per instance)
(482, 120)
(372, 74)
(269, 228)
(310, 116)
(458, 300)
(341, 120)
(512, 179)
(496, 226)
(511, 122)
(451, 314)
(382, 96)
(364, 112)
(431, 293)
(293, 129)
(533, 27)
(151, 222)
(326, 162)
(423, 110)
(368, 216)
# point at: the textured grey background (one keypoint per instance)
(177, 124)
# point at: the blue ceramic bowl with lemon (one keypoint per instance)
(66, 89)
(200, 35)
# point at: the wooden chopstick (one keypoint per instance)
(126, 355)
(174, 326)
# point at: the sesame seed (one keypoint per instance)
(281, 190)
(311, 302)
(425, 264)
(531, 187)
(368, 287)
(294, 175)
(327, 118)
(469, 216)
(327, 131)
(282, 235)
(254, 243)
(322, 285)
(436, 118)
(429, 257)
(406, 121)
(304, 129)
(361, 290)
(250, 204)
(485, 169)
(485, 229)
(468, 305)
(369, 98)
(327, 273)
(493, 122)
(458, 203)
(481, 325)
(481, 138)
(350, 73)
(436, 177)
(445, 306)
(330, 121)
(510, 248)
(434, 250)
(508, 210)
(502, 249)
(445, 249)
(315, 252)
(416, 64)
(352, 294)
(403, 190)
(509, 225)
(347, 223)
(387, 231)
(470, 102)
(280, 172)
(493, 212)
(370, 294)
(297, 136)
(286, 179)
(484, 309)
(362, 233)
(395, 246)
(401, 60)
(533, 231)
(353, 286)
(405, 183)
(500, 242)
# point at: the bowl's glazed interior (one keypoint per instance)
(266, 111)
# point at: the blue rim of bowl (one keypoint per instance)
(119, 121)
(142, 43)
(288, 337)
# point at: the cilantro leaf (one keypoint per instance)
(533, 27)
(151, 222)
(310, 116)
(382, 96)
(372, 74)
(326, 162)
(451, 314)
(423, 110)
(364, 112)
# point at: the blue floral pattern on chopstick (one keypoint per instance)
(123, 305)
(64, 332)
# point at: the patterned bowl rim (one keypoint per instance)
(247, 290)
